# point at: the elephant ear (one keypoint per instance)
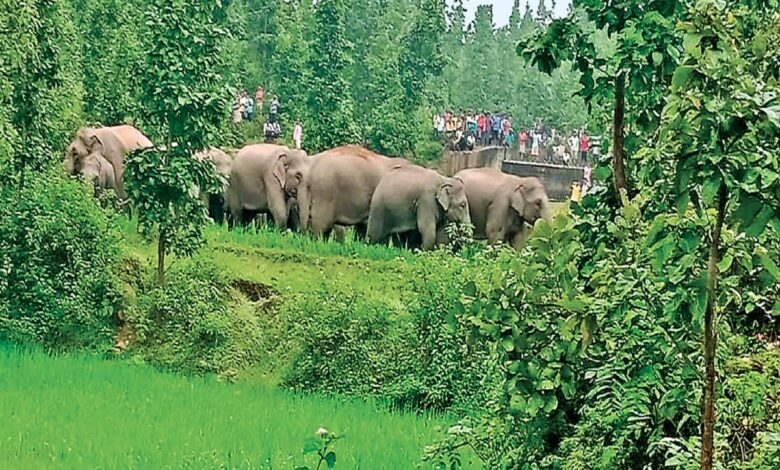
(443, 196)
(280, 170)
(94, 144)
(517, 200)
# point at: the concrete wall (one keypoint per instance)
(557, 179)
(452, 162)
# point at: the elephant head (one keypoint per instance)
(451, 197)
(291, 169)
(85, 144)
(529, 200)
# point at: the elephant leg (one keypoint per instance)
(278, 207)
(495, 229)
(339, 233)
(519, 238)
(426, 224)
(361, 231)
(321, 216)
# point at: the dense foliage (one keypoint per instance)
(58, 253)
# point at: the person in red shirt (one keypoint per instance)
(584, 144)
(481, 127)
(523, 139)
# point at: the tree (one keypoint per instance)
(722, 127)
(646, 55)
(330, 103)
(38, 62)
(112, 56)
(185, 101)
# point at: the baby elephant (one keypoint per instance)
(412, 198)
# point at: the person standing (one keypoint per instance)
(481, 127)
(506, 125)
(273, 108)
(436, 119)
(298, 135)
(584, 146)
(535, 141)
(523, 139)
(574, 145)
(238, 110)
(250, 108)
(440, 126)
(495, 127)
(259, 99)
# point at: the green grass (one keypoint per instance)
(84, 412)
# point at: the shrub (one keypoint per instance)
(58, 255)
(194, 322)
(345, 343)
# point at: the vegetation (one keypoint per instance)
(136, 417)
(638, 329)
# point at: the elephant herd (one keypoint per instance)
(381, 197)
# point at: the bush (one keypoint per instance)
(417, 357)
(194, 322)
(58, 258)
(344, 342)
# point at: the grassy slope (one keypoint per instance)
(291, 262)
(82, 412)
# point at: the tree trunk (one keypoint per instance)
(618, 144)
(162, 242)
(711, 337)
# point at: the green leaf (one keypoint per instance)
(760, 221)
(691, 43)
(773, 113)
(574, 305)
(681, 76)
(546, 385)
(658, 58)
(507, 343)
(330, 459)
(769, 265)
(312, 444)
(551, 403)
(709, 189)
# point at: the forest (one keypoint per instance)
(637, 327)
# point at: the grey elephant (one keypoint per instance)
(223, 164)
(503, 206)
(338, 188)
(416, 199)
(264, 178)
(98, 154)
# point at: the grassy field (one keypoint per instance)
(84, 412)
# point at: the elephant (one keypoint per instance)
(222, 165)
(416, 199)
(264, 178)
(502, 206)
(96, 151)
(338, 188)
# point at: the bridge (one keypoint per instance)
(557, 179)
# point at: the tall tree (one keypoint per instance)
(633, 78)
(722, 128)
(185, 102)
(331, 121)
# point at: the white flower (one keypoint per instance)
(322, 432)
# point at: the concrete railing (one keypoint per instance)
(557, 179)
(452, 161)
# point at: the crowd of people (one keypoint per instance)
(465, 131)
(245, 107)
